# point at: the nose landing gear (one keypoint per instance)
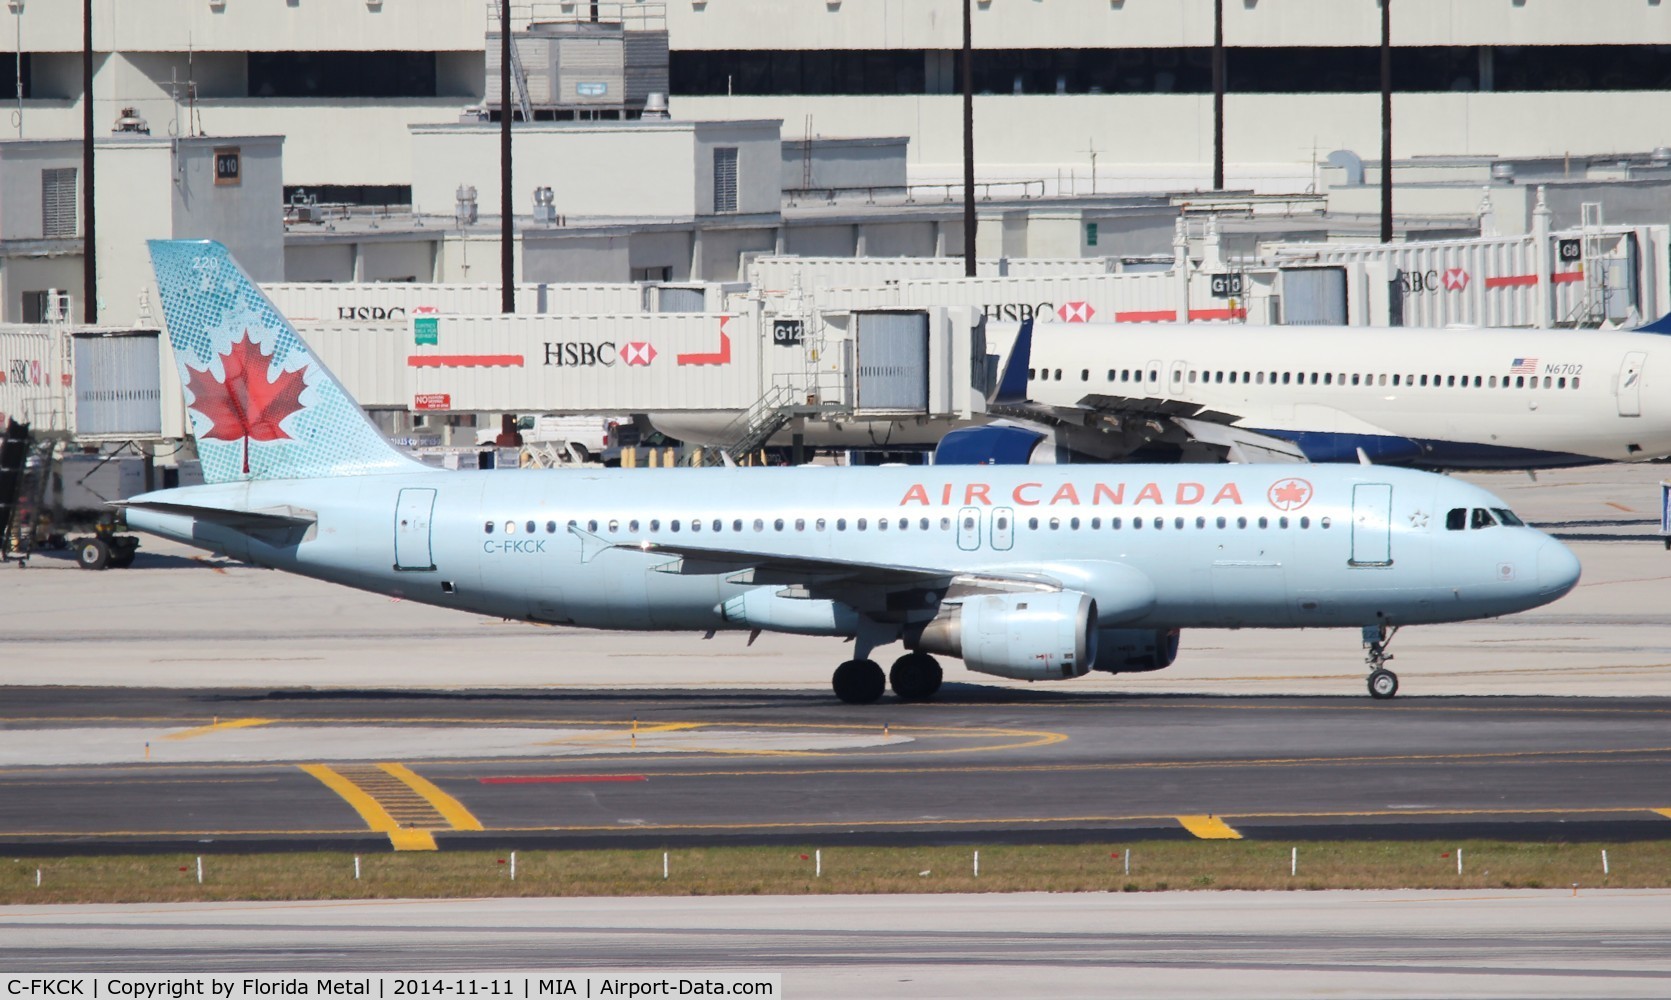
(1383, 683)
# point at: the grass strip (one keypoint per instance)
(714, 871)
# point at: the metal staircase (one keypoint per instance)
(25, 471)
(750, 431)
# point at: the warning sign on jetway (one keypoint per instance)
(432, 401)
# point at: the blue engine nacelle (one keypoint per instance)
(995, 444)
(1135, 650)
(1028, 637)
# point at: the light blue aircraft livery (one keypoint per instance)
(1031, 572)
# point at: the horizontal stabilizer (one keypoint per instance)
(238, 520)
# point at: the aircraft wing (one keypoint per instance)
(868, 586)
(1111, 428)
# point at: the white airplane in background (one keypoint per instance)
(1037, 574)
(1434, 399)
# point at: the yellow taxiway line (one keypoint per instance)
(450, 808)
(370, 810)
(218, 726)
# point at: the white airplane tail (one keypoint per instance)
(261, 405)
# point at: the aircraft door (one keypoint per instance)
(1372, 524)
(969, 529)
(1630, 384)
(413, 511)
(1151, 378)
(1003, 529)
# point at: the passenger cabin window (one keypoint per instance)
(1457, 519)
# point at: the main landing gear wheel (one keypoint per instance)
(92, 553)
(915, 677)
(1383, 684)
(859, 682)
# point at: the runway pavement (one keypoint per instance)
(1193, 944)
(86, 769)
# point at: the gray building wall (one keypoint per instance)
(845, 163)
(245, 216)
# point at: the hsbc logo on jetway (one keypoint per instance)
(1067, 312)
(1019, 310)
(583, 354)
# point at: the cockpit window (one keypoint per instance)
(1483, 519)
(1508, 517)
(1457, 519)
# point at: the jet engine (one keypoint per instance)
(996, 444)
(1135, 650)
(1029, 637)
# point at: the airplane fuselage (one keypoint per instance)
(1155, 546)
(1464, 398)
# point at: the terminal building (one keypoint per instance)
(780, 189)
(1104, 93)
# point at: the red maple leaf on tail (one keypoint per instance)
(246, 404)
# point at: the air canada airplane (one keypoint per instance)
(1030, 573)
(1426, 398)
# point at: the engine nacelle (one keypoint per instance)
(1029, 637)
(995, 444)
(1135, 650)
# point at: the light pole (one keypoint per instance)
(1218, 95)
(89, 220)
(968, 142)
(507, 255)
(1386, 122)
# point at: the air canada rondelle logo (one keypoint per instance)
(1289, 494)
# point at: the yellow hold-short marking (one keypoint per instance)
(1209, 828)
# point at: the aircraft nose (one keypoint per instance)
(1558, 568)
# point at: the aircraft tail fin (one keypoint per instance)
(261, 405)
(1012, 385)
(1661, 325)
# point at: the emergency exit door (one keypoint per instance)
(1372, 524)
(1630, 384)
(412, 543)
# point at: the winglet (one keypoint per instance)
(1661, 325)
(1012, 386)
